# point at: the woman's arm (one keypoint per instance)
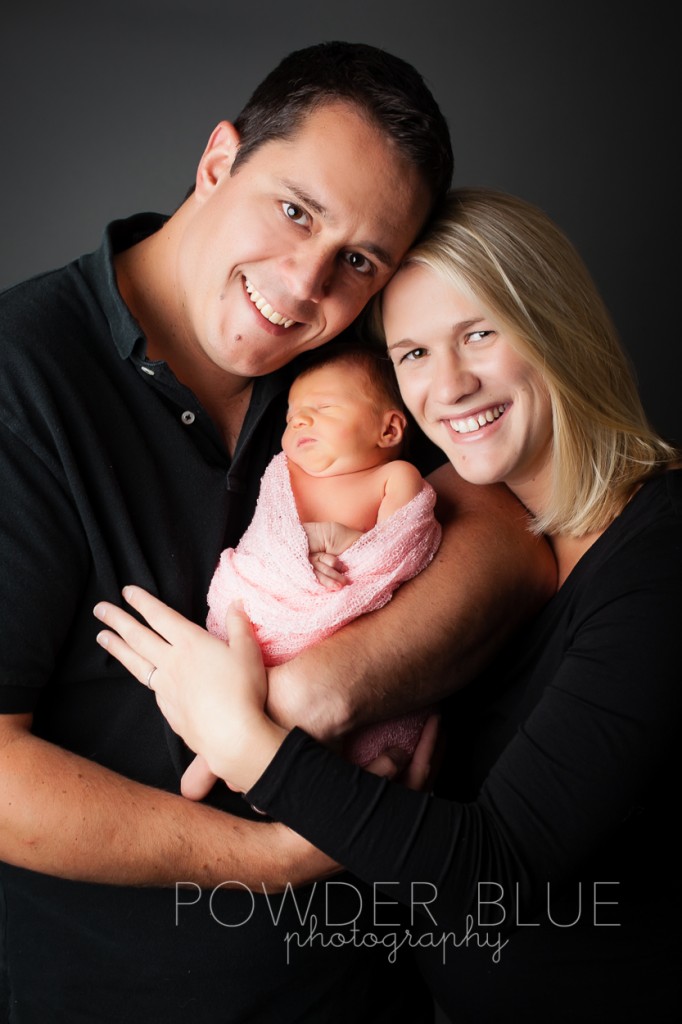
(587, 761)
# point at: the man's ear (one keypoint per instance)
(393, 426)
(217, 158)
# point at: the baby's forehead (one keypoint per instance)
(339, 379)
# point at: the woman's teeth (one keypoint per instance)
(481, 419)
(264, 307)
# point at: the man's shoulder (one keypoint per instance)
(44, 317)
(27, 295)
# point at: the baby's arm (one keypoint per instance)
(332, 538)
(403, 483)
(327, 540)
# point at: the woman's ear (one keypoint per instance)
(393, 426)
(217, 158)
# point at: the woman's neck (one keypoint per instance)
(569, 550)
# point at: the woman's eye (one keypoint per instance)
(414, 355)
(295, 214)
(479, 335)
(356, 261)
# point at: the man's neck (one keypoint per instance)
(144, 274)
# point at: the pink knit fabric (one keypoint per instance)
(270, 573)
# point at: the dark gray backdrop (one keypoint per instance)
(107, 106)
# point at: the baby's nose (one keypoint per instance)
(303, 417)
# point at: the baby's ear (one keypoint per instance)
(393, 428)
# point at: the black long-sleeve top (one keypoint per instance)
(546, 865)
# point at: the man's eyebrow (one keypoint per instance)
(380, 254)
(304, 197)
(307, 200)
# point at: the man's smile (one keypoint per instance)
(264, 307)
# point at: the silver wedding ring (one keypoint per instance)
(148, 680)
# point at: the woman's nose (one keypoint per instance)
(455, 379)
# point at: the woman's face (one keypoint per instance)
(467, 386)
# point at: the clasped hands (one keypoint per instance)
(326, 541)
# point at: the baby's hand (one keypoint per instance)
(325, 542)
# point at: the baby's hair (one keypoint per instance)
(377, 367)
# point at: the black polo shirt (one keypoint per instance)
(112, 473)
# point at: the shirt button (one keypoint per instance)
(188, 417)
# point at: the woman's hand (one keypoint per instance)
(211, 692)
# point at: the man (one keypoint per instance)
(143, 397)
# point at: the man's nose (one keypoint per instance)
(308, 272)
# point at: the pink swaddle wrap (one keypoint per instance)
(270, 573)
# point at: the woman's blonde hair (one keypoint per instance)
(520, 265)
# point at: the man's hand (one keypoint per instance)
(416, 771)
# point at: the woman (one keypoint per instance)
(546, 859)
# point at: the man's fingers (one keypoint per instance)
(419, 771)
(389, 763)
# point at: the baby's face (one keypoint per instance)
(334, 422)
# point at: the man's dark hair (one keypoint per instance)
(385, 88)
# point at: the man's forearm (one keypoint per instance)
(63, 815)
(438, 631)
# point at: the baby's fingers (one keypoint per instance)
(329, 570)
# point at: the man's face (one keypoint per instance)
(284, 254)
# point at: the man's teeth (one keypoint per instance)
(472, 423)
(264, 307)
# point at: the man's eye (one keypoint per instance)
(356, 261)
(296, 214)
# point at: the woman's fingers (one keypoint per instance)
(169, 624)
(138, 666)
(136, 646)
(241, 637)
